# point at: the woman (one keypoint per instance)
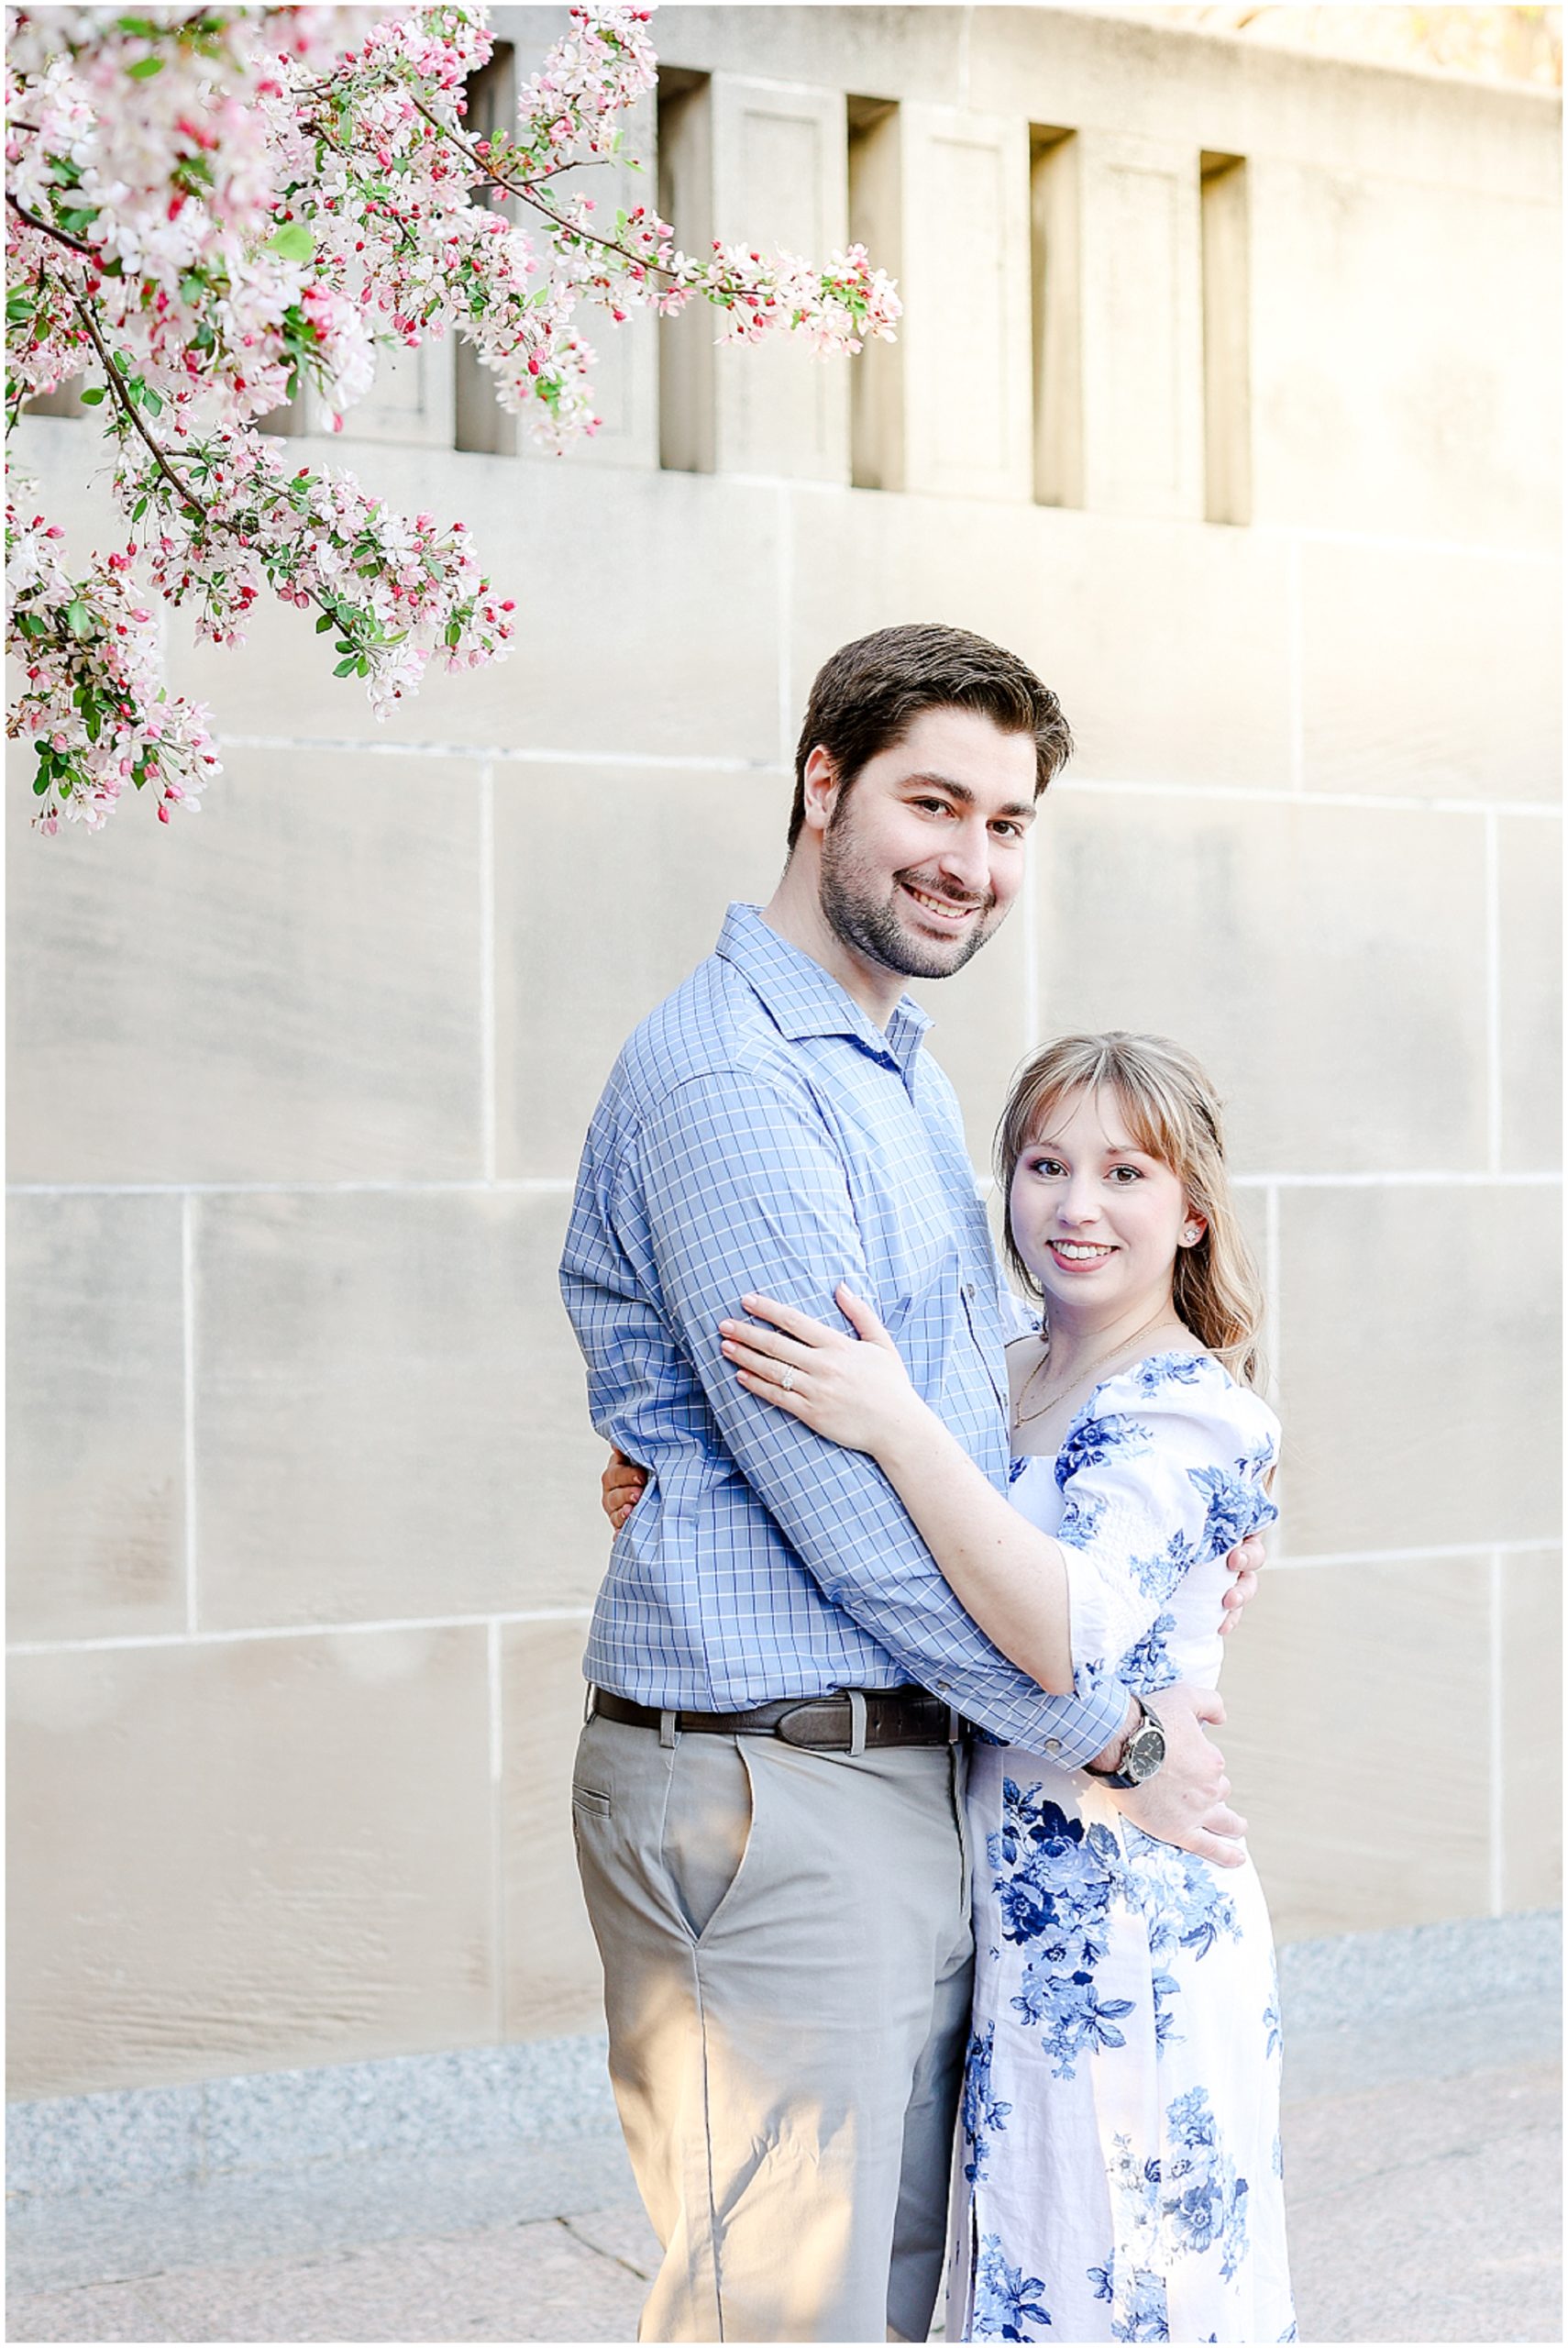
(1120, 2173)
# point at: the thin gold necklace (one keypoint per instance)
(1024, 1416)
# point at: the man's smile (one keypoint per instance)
(948, 910)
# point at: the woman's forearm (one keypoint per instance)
(1008, 1576)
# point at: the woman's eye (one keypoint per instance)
(1132, 1173)
(1046, 1166)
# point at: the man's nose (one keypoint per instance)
(967, 858)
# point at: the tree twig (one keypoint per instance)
(128, 407)
(524, 190)
(48, 228)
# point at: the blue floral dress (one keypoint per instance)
(1118, 2160)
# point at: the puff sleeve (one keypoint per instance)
(1162, 1474)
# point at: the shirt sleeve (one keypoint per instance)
(1163, 1474)
(723, 1216)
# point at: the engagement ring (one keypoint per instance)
(786, 1379)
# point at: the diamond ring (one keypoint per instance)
(786, 1379)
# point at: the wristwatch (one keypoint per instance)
(1141, 1756)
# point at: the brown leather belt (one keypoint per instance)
(821, 1723)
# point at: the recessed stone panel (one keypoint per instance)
(283, 987)
(390, 1411)
(95, 1379)
(1141, 325)
(1430, 673)
(1419, 1364)
(553, 1980)
(610, 888)
(248, 1856)
(1530, 942)
(1531, 1730)
(780, 181)
(1327, 965)
(964, 277)
(1352, 1829)
(1143, 631)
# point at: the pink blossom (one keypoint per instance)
(282, 200)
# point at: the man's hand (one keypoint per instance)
(1245, 1563)
(620, 1487)
(1186, 1801)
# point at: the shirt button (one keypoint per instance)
(969, 1291)
(944, 1687)
(1052, 1744)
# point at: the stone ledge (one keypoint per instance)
(1497, 1977)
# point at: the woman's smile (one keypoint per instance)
(1081, 1254)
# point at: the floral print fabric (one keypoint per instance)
(1119, 2158)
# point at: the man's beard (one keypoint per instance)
(869, 923)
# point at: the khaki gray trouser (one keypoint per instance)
(787, 1970)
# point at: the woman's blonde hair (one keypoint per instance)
(1173, 1113)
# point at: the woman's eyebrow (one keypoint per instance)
(1111, 1150)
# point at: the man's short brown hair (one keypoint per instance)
(867, 694)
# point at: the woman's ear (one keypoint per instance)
(1192, 1229)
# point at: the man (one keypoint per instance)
(766, 1798)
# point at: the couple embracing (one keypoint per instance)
(929, 1938)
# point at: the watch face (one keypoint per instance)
(1145, 1753)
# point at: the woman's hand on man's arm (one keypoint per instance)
(621, 1487)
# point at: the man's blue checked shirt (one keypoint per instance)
(760, 1133)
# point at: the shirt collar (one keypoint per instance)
(801, 998)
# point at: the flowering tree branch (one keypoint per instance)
(206, 213)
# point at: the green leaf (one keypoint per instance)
(95, 397)
(293, 241)
(323, 622)
(139, 509)
(346, 668)
(150, 399)
(40, 784)
(144, 69)
(78, 618)
(19, 306)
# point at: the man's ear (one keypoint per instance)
(819, 789)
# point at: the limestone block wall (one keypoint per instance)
(303, 1522)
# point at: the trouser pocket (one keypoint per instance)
(708, 1821)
